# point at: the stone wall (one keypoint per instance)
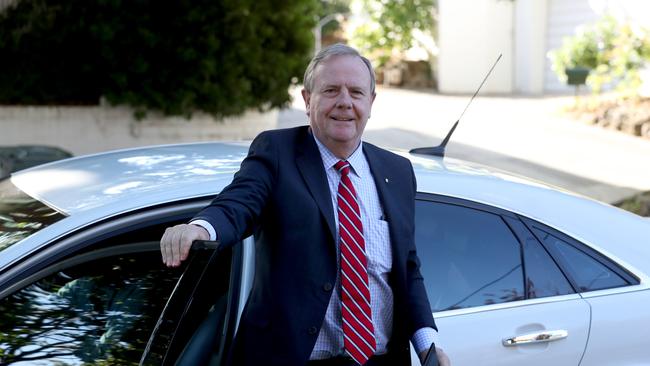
(83, 130)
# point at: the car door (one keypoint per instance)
(96, 295)
(497, 295)
(199, 321)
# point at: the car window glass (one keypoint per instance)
(543, 277)
(101, 311)
(586, 272)
(469, 257)
(21, 215)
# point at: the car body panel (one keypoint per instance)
(475, 337)
(619, 321)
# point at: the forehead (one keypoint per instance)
(344, 69)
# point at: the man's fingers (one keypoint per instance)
(176, 242)
(177, 232)
(165, 244)
(186, 239)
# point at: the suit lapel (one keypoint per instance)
(311, 168)
(382, 181)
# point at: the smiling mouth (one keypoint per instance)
(344, 119)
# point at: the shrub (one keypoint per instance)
(221, 57)
(613, 51)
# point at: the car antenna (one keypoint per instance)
(440, 149)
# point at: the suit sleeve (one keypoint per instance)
(235, 211)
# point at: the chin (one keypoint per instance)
(345, 138)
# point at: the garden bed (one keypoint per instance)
(639, 204)
(631, 115)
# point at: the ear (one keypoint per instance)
(306, 96)
(372, 100)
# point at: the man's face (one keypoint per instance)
(340, 101)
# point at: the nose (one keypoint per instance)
(344, 100)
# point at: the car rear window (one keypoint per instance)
(21, 215)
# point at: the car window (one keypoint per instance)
(543, 276)
(469, 257)
(21, 215)
(100, 311)
(588, 273)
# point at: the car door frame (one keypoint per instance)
(22, 270)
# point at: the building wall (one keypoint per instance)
(471, 35)
(530, 46)
(84, 130)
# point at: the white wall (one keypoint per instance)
(83, 130)
(530, 46)
(471, 35)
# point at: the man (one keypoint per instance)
(337, 278)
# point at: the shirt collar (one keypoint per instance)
(329, 159)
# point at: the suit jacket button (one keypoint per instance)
(327, 287)
(312, 330)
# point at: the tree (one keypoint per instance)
(393, 26)
(220, 57)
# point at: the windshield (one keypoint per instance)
(21, 215)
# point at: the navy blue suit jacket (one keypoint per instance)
(281, 195)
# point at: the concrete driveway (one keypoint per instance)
(526, 136)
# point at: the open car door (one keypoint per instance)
(198, 323)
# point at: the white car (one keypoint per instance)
(517, 272)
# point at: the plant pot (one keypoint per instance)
(577, 75)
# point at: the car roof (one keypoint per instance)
(91, 188)
(123, 180)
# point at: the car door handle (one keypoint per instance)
(545, 336)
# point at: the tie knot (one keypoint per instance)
(343, 167)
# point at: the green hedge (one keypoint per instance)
(221, 57)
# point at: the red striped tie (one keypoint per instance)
(358, 331)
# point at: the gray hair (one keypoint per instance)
(338, 49)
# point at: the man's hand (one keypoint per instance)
(443, 360)
(176, 242)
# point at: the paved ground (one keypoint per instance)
(527, 136)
